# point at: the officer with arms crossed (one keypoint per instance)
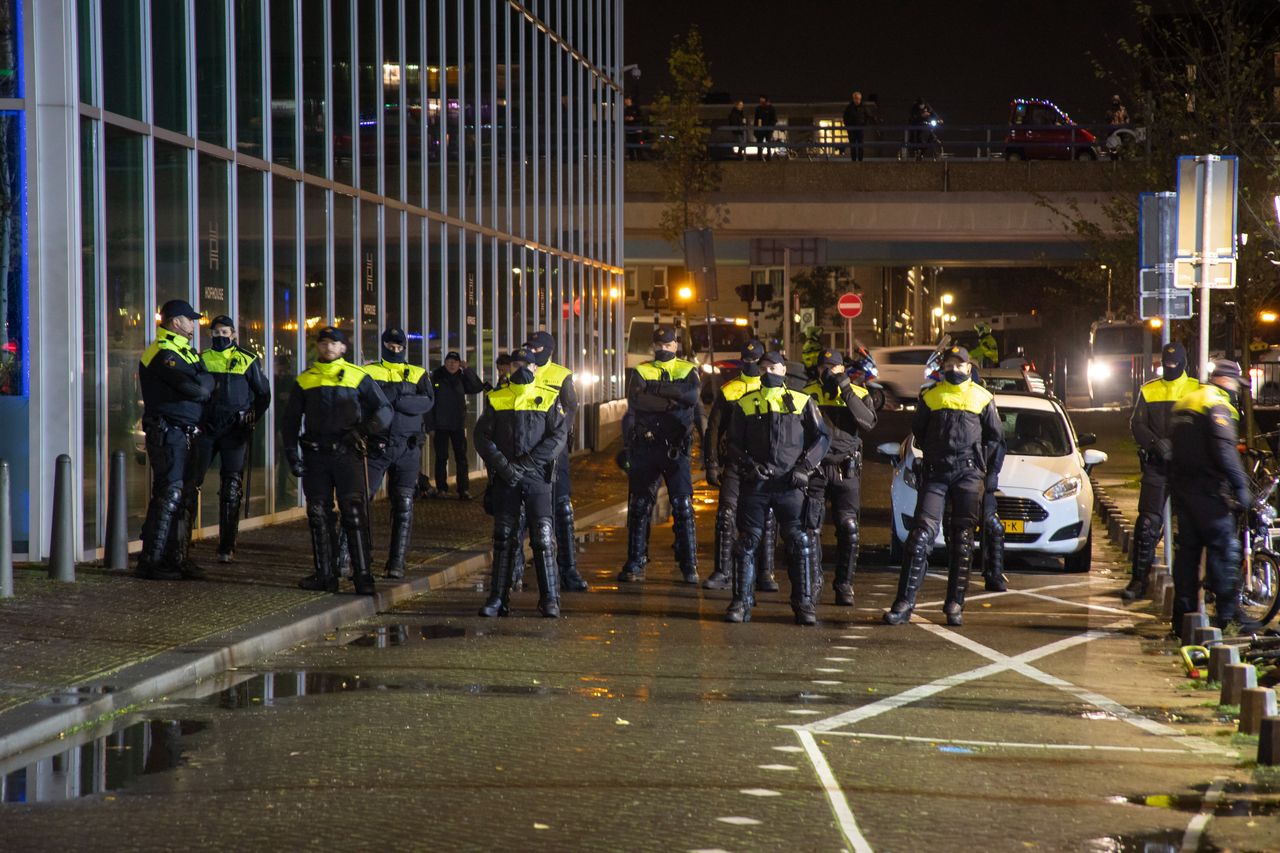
(408, 389)
(957, 428)
(1209, 489)
(521, 436)
(846, 409)
(720, 473)
(777, 439)
(662, 398)
(558, 380)
(334, 410)
(1152, 432)
(175, 387)
(241, 395)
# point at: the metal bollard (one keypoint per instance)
(6, 534)
(62, 562)
(1166, 601)
(1256, 703)
(1190, 622)
(117, 550)
(1269, 741)
(1207, 637)
(1235, 680)
(1221, 657)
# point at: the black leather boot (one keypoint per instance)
(993, 555)
(544, 561)
(686, 544)
(505, 545)
(744, 583)
(229, 517)
(722, 575)
(958, 567)
(1145, 533)
(341, 550)
(801, 553)
(180, 542)
(353, 521)
(401, 532)
(324, 578)
(915, 564)
(639, 518)
(155, 563)
(567, 548)
(846, 558)
(517, 564)
(765, 581)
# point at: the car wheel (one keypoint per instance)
(1086, 154)
(895, 546)
(1013, 154)
(1082, 560)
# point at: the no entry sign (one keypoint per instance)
(849, 306)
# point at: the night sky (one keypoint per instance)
(968, 59)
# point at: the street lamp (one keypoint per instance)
(1268, 316)
(684, 293)
(947, 299)
(614, 293)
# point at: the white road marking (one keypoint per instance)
(789, 748)
(1195, 829)
(760, 792)
(835, 795)
(846, 648)
(1100, 607)
(970, 598)
(776, 767)
(826, 669)
(838, 660)
(804, 712)
(709, 850)
(826, 681)
(739, 821)
(1005, 744)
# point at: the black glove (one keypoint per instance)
(375, 446)
(296, 466)
(1162, 449)
(713, 475)
(512, 474)
(623, 460)
(761, 472)
(524, 460)
(799, 478)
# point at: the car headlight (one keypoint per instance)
(1099, 370)
(1064, 488)
(710, 368)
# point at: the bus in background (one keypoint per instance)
(1118, 351)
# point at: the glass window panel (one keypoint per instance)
(370, 279)
(344, 262)
(392, 81)
(435, 295)
(315, 215)
(283, 97)
(285, 316)
(211, 71)
(314, 72)
(128, 316)
(214, 229)
(169, 53)
(416, 287)
(370, 99)
(91, 315)
(252, 292)
(392, 313)
(15, 411)
(341, 46)
(86, 44)
(122, 57)
(249, 112)
(413, 80)
(173, 234)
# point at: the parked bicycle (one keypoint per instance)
(1260, 569)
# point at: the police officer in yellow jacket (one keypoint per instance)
(175, 387)
(333, 411)
(657, 434)
(777, 439)
(241, 395)
(1151, 425)
(957, 428)
(720, 473)
(558, 379)
(521, 436)
(846, 408)
(1210, 489)
(408, 389)
(987, 352)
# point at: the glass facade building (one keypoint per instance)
(448, 166)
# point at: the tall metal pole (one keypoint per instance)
(786, 302)
(1168, 227)
(1203, 254)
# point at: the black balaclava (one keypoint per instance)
(221, 343)
(772, 380)
(663, 335)
(1173, 361)
(547, 345)
(395, 336)
(955, 377)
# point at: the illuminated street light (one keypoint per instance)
(1156, 322)
(1268, 316)
(614, 293)
(947, 299)
(684, 293)
(937, 311)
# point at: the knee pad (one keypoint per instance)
(231, 489)
(919, 542)
(505, 528)
(640, 505)
(353, 513)
(847, 526)
(682, 508)
(541, 533)
(318, 514)
(800, 543)
(402, 506)
(747, 543)
(171, 496)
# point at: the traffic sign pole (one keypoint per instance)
(1204, 165)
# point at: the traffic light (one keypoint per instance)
(750, 293)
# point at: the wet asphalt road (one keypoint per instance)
(1054, 720)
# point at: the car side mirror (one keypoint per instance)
(1093, 458)
(1087, 438)
(888, 452)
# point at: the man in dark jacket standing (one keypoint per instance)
(1151, 426)
(453, 382)
(408, 389)
(855, 119)
(957, 428)
(520, 437)
(175, 387)
(241, 395)
(764, 120)
(777, 439)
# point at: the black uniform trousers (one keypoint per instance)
(653, 464)
(840, 484)
(1205, 523)
(755, 501)
(855, 144)
(172, 456)
(964, 486)
(531, 496)
(231, 446)
(339, 473)
(400, 463)
(457, 439)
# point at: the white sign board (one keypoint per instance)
(1220, 273)
(808, 318)
(1214, 212)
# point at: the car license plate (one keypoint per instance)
(1013, 525)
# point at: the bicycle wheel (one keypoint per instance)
(1260, 597)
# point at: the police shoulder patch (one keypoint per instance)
(170, 361)
(1220, 420)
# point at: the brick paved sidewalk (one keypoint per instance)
(55, 635)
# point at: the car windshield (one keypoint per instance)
(910, 356)
(724, 336)
(996, 384)
(641, 340)
(1120, 340)
(1034, 432)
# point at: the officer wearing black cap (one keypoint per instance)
(408, 389)
(957, 428)
(520, 436)
(241, 395)
(657, 433)
(846, 408)
(452, 382)
(1151, 427)
(720, 473)
(334, 410)
(1209, 489)
(777, 439)
(558, 380)
(175, 388)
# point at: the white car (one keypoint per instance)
(1044, 499)
(902, 370)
